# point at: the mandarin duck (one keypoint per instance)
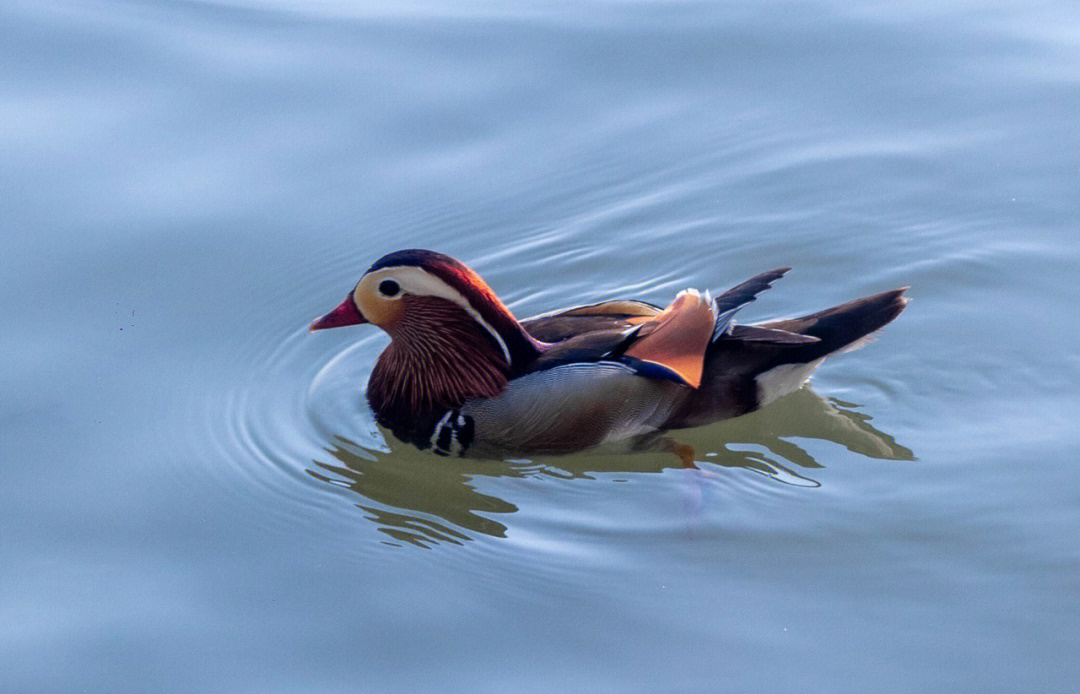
(462, 375)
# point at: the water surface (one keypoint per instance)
(195, 497)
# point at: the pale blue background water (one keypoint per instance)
(194, 498)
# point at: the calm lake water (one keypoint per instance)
(196, 499)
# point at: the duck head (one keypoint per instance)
(451, 338)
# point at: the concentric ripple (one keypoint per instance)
(293, 440)
(292, 435)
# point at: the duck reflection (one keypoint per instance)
(418, 499)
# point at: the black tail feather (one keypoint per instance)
(845, 325)
(744, 293)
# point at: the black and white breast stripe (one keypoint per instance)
(453, 433)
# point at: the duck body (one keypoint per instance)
(462, 376)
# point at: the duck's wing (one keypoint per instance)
(669, 343)
(563, 324)
(680, 337)
(729, 303)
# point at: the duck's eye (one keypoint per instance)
(389, 288)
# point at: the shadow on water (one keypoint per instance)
(420, 499)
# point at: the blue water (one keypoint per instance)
(196, 499)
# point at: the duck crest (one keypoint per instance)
(438, 358)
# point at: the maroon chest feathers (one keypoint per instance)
(438, 358)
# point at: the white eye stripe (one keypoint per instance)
(420, 282)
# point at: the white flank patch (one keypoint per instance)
(778, 382)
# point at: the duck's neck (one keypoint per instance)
(438, 359)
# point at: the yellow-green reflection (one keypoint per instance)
(421, 499)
